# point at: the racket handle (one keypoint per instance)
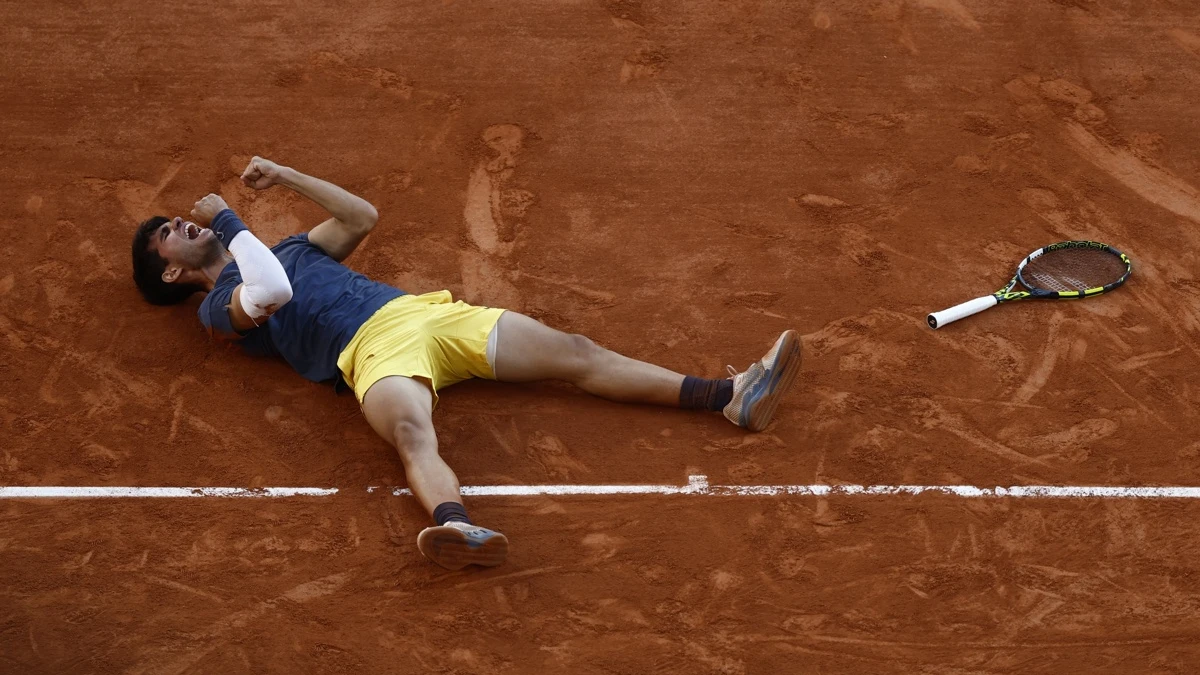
(939, 319)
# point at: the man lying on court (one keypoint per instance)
(397, 351)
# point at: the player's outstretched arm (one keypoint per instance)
(353, 217)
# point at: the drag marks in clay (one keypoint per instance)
(1083, 127)
(494, 209)
(379, 78)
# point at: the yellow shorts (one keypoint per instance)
(421, 336)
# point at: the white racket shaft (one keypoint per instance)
(939, 319)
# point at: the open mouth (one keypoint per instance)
(190, 231)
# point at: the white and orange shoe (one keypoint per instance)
(756, 392)
(456, 545)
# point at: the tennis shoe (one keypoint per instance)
(456, 545)
(757, 391)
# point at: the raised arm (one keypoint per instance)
(353, 217)
(265, 286)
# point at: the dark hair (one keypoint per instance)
(148, 268)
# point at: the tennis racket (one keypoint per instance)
(1068, 270)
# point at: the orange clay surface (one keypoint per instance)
(680, 181)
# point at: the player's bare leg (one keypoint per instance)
(528, 350)
(400, 409)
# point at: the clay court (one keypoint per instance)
(680, 181)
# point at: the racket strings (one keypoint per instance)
(1073, 269)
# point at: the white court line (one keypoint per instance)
(697, 486)
(158, 492)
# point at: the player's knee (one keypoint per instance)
(412, 439)
(585, 354)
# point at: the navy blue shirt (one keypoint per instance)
(329, 303)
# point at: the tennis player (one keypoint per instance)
(397, 351)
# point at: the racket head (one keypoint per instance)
(1074, 269)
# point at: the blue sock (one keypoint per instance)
(700, 394)
(448, 511)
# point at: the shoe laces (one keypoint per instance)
(732, 372)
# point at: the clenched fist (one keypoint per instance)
(261, 173)
(206, 209)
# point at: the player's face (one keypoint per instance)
(186, 244)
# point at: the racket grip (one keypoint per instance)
(939, 319)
